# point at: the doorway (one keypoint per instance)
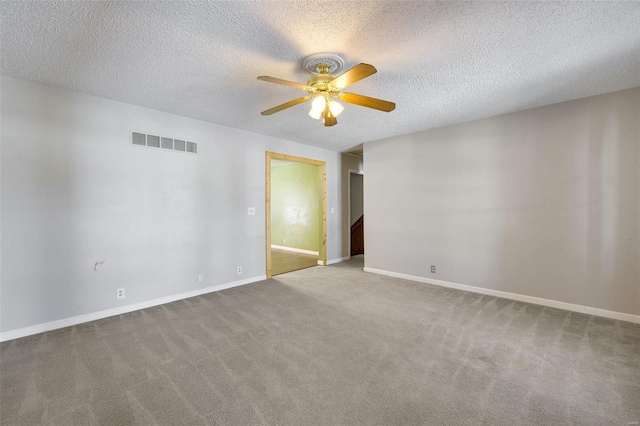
(295, 213)
(356, 213)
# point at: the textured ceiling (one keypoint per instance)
(441, 62)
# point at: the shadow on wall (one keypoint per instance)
(565, 210)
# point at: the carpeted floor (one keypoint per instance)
(328, 346)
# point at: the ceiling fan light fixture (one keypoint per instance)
(315, 114)
(318, 103)
(317, 107)
(335, 108)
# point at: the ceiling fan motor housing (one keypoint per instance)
(320, 82)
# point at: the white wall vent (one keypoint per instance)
(153, 141)
(138, 139)
(166, 143)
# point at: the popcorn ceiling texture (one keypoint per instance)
(442, 63)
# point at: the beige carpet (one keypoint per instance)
(328, 346)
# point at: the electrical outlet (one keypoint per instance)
(120, 293)
(252, 211)
(200, 278)
(433, 269)
(239, 270)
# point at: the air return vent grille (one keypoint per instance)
(178, 145)
(166, 143)
(153, 141)
(138, 139)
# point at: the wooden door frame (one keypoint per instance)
(275, 155)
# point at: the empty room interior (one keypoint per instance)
(320, 213)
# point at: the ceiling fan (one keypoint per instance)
(324, 86)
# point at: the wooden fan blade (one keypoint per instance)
(328, 119)
(286, 105)
(356, 73)
(284, 82)
(368, 102)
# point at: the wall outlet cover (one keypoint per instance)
(120, 293)
(200, 278)
(239, 270)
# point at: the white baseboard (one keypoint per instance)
(67, 322)
(295, 250)
(314, 253)
(514, 296)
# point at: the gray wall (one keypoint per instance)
(543, 203)
(74, 191)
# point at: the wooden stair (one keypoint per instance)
(357, 237)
